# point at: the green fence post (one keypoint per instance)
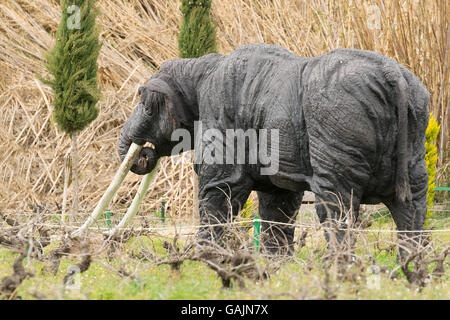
(163, 208)
(108, 219)
(256, 232)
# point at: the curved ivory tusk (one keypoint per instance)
(133, 208)
(124, 168)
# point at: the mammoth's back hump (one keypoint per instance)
(244, 82)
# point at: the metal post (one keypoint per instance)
(257, 233)
(108, 219)
(163, 208)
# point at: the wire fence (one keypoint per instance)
(175, 227)
(177, 224)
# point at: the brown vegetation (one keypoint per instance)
(138, 36)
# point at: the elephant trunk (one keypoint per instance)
(148, 157)
(124, 144)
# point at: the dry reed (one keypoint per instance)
(137, 37)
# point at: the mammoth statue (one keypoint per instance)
(348, 125)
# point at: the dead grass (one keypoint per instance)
(132, 266)
(137, 37)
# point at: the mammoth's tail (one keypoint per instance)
(400, 99)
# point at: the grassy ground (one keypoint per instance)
(303, 276)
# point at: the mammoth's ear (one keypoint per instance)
(177, 107)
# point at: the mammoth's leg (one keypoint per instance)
(337, 209)
(341, 174)
(343, 140)
(409, 216)
(223, 191)
(279, 206)
(334, 214)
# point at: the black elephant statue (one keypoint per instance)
(348, 125)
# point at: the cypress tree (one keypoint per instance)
(72, 63)
(198, 34)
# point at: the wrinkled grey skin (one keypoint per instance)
(352, 130)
